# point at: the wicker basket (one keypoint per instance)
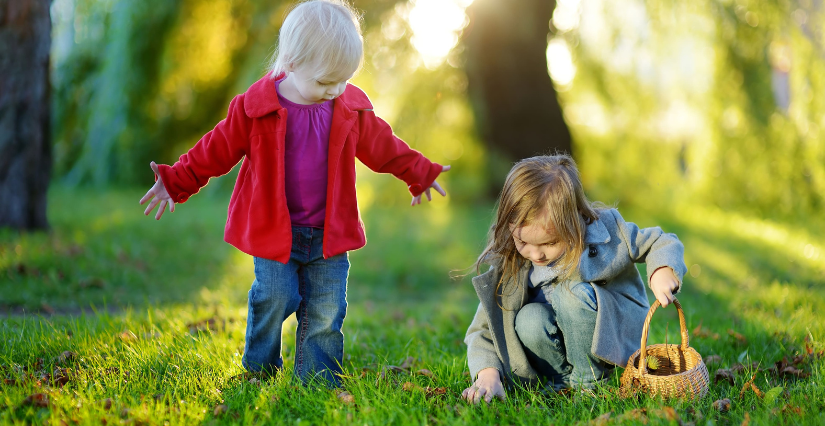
(681, 372)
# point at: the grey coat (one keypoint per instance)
(614, 246)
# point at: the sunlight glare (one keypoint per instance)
(560, 62)
(566, 15)
(436, 25)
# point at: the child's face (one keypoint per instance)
(537, 244)
(310, 90)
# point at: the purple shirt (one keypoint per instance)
(305, 160)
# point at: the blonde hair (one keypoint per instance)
(325, 34)
(539, 188)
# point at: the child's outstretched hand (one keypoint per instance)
(663, 282)
(487, 385)
(435, 185)
(158, 191)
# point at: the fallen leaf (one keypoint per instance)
(107, 404)
(788, 409)
(637, 414)
(746, 421)
(45, 307)
(738, 368)
(346, 397)
(433, 392)
(721, 405)
(425, 372)
(739, 338)
(39, 400)
(220, 410)
(210, 324)
(696, 414)
(702, 332)
(92, 283)
(668, 413)
(724, 375)
(410, 386)
(408, 363)
(713, 359)
(66, 357)
(60, 376)
(795, 372)
(750, 385)
(602, 420)
(127, 336)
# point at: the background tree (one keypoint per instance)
(512, 95)
(25, 148)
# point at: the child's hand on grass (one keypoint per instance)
(663, 282)
(487, 385)
(435, 185)
(158, 191)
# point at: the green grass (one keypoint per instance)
(129, 296)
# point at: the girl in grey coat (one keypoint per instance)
(562, 302)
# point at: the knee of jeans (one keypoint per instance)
(530, 322)
(267, 295)
(581, 294)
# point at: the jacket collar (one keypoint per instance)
(262, 98)
(596, 233)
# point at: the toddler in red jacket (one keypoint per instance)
(298, 131)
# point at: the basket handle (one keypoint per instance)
(682, 327)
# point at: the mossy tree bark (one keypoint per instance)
(514, 99)
(25, 147)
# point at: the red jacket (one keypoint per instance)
(258, 221)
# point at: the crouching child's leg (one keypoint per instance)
(576, 308)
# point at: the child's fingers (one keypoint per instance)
(663, 299)
(151, 206)
(161, 209)
(438, 189)
(149, 194)
(429, 196)
(445, 169)
(479, 394)
(171, 206)
(154, 168)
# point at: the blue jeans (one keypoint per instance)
(557, 337)
(316, 290)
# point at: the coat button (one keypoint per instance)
(415, 189)
(592, 252)
(183, 197)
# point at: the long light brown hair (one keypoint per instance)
(539, 188)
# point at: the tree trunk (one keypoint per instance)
(25, 148)
(511, 91)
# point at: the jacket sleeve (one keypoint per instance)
(215, 154)
(654, 247)
(481, 351)
(383, 152)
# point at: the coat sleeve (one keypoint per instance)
(215, 154)
(383, 152)
(654, 247)
(481, 351)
